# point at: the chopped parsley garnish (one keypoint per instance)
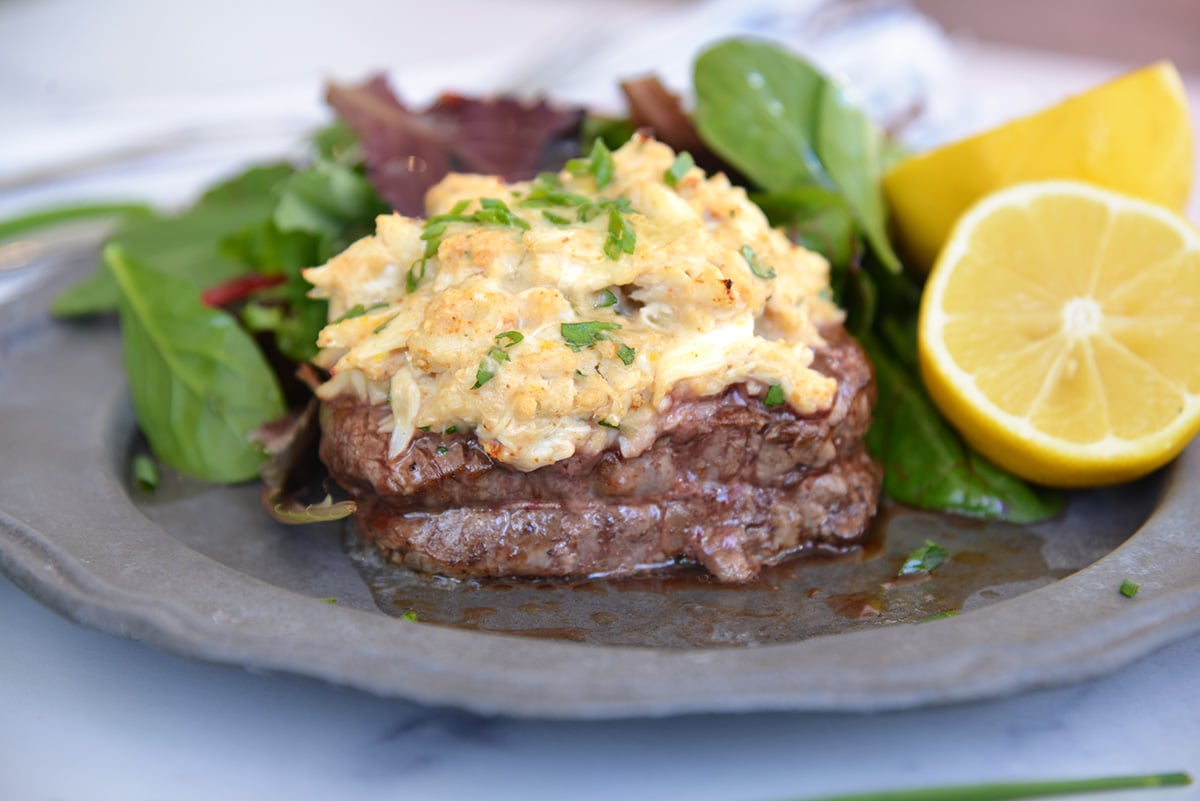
(484, 374)
(928, 558)
(759, 269)
(585, 335)
(546, 190)
(621, 236)
(774, 396)
(939, 615)
(442, 450)
(1129, 588)
(607, 424)
(328, 599)
(512, 337)
(605, 299)
(674, 174)
(598, 164)
(358, 310)
(409, 616)
(490, 212)
(145, 472)
(451, 430)
(496, 356)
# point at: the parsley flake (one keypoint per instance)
(598, 164)
(584, 335)
(605, 299)
(679, 168)
(774, 396)
(761, 270)
(928, 558)
(482, 376)
(1129, 588)
(496, 356)
(409, 616)
(513, 337)
(358, 310)
(546, 190)
(621, 236)
(607, 424)
(145, 472)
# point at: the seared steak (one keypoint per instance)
(732, 484)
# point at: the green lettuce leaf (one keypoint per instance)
(199, 383)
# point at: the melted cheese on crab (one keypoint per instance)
(709, 297)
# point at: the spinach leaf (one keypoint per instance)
(784, 125)
(816, 218)
(199, 384)
(185, 245)
(926, 463)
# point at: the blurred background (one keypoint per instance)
(1117, 30)
(137, 98)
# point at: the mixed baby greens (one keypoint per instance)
(204, 376)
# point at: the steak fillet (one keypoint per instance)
(731, 484)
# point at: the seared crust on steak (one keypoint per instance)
(731, 484)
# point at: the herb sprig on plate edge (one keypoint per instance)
(810, 158)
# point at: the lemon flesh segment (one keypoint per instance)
(1060, 333)
(1132, 134)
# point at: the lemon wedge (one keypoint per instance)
(1060, 333)
(1132, 134)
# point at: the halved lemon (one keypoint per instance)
(1060, 333)
(1132, 134)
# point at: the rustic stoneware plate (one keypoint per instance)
(199, 570)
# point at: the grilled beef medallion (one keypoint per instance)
(601, 371)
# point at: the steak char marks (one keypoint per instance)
(730, 484)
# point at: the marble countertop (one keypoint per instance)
(92, 717)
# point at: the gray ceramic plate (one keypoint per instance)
(199, 570)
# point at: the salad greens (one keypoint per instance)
(816, 161)
(200, 381)
(809, 157)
